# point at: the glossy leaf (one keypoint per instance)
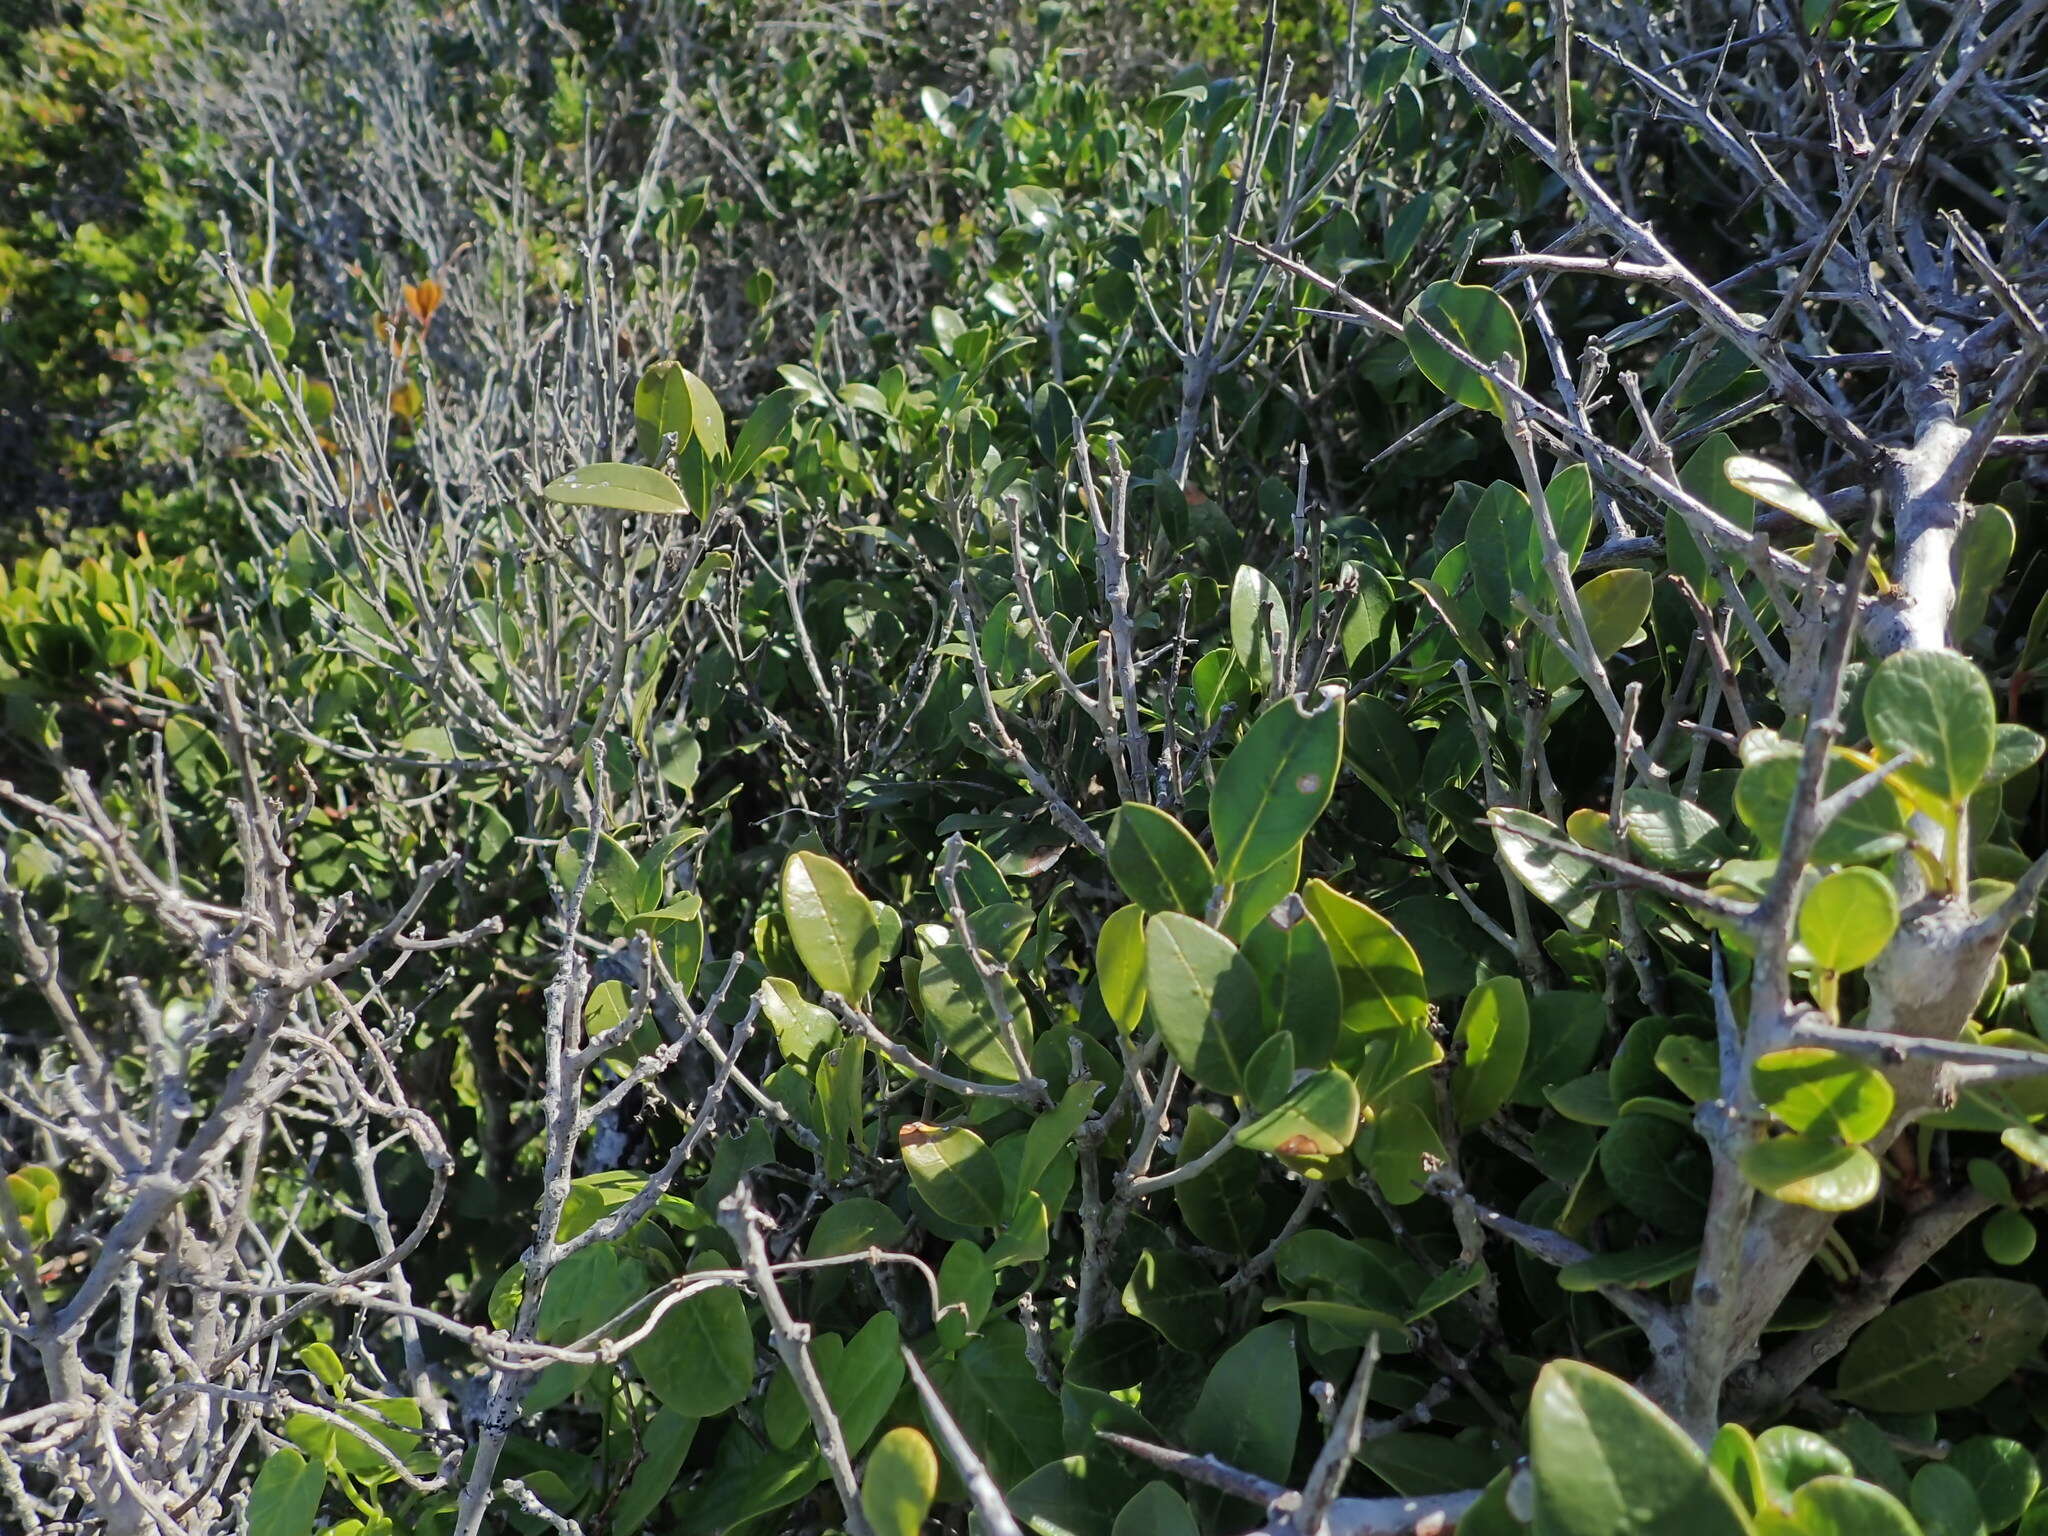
(956, 1004)
(1155, 1510)
(1868, 829)
(1615, 603)
(1823, 1091)
(1317, 1118)
(1813, 1171)
(1847, 918)
(765, 430)
(699, 1360)
(285, 1498)
(1943, 1348)
(1173, 1293)
(1480, 323)
(1608, 1463)
(1250, 1409)
(1298, 982)
(1563, 881)
(1204, 998)
(1840, 1506)
(954, 1172)
(1378, 976)
(1260, 628)
(1775, 487)
(1120, 966)
(1158, 864)
(1405, 1145)
(1636, 1269)
(1491, 1042)
(1272, 788)
(832, 924)
(618, 488)
(1935, 708)
(671, 399)
(899, 1483)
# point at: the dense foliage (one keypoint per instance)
(1091, 769)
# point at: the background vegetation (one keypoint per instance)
(1104, 769)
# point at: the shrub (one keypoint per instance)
(1330, 829)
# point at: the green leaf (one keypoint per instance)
(1380, 748)
(619, 488)
(1615, 604)
(1447, 1288)
(1944, 1502)
(1052, 1131)
(1120, 966)
(1002, 1408)
(1935, 708)
(1789, 1457)
(832, 925)
(1173, 1293)
(1155, 1510)
(853, 1226)
(1868, 829)
(803, 1030)
(670, 398)
(1636, 1269)
(956, 1000)
(1608, 1463)
(1847, 918)
(1025, 1238)
(1317, 1118)
(2017, 750)
(864, 1379)
(1404, 1144)
(1659, 1170)
(1503, 546)
(664, 1444)
(1822, 1091)
(1249, 1412)
(699, 1360)
(1367, 615)
(1222, 1206)
(954, 1172)
(1813, 1171)
(1841, 1506)
(1254, 899)
(1040, 207)
(1260, 628)
(1378, 975)
(1569, 497)
(1478, 321)
(2009, 1238)
(1673, 834)
(1204, 999)
(1691, 1065)
(1775, 487)
(1272, 788)
(1074, 1495)
(1562, 880)
(1491, 1042)
(764, 431)
(2004, 1474)
(899, 1483)
(285, 1498)
(1701, 476)
(325, 1365)
(1983, 550)
(1943, 1348)
(1297, 980)
(1158, 863)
